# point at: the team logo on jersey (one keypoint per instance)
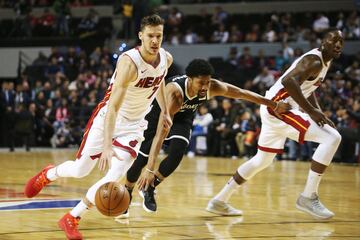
(148, 82)
(186, 106)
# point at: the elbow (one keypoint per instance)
(287, 82)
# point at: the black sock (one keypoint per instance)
(130, 190)
(157, 181)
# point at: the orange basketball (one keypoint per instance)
(112, 199)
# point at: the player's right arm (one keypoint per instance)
(174, 99)
(126, 73)
(307, 68)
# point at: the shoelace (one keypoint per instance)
(41, 181)
(317, 204)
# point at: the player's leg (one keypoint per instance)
(68, 223)
(270, 143)
(176, 151)
(329, 140)
(89, 151)
(219, 203)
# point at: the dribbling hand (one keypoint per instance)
(105, 159)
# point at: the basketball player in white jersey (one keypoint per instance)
(305, 122)
(115, 130)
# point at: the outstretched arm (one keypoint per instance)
(218, 88)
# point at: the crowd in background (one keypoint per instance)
(218, 26)
(52, 109)
(213, 25)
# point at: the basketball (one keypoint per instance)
(112, 199)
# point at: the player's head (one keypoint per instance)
(199, 72)
(151, 33)
(332, 43)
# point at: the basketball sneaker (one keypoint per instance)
(222, 208)
(69, 225)
(37, 183)
(313, 206)
(149, 203)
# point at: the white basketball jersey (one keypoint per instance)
(141, 92)
(278, 92)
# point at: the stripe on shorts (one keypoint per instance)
(126, 148)
(271, 150)
(91, 120)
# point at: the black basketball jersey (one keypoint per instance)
(189, 106)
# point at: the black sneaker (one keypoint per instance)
(149, 203)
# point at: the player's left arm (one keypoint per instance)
(313, 100)
(175, 100)
(218, 88)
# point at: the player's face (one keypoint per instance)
(151, 38)
(333, 44)
(201, 85)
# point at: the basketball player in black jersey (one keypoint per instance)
(184, 95)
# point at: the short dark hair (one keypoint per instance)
(199, 67)
(152, 20)
(327, 32)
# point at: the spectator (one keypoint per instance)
(220, 16)
(265, 78)
(321, 23)
(200, 128)
(220, 35)
(63, 15)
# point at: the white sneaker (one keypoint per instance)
(313, 206)
(222, 208)
(123, 216)
(190, 154)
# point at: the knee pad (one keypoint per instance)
(257, 163)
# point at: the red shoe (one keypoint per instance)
(69, 225)
(36, 183)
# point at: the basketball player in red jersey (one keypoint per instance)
(305, 122)
(115, 130)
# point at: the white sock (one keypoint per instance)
(225, 193)
(80, 209)
(51, 174)
(312, 183)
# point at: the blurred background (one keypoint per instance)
(57, 57)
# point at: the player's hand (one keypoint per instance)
(281, 107)
(105, 159)
(331, 123)
(167, 122)
(146, 180)
(319, 117)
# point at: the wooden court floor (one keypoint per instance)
(268, 202)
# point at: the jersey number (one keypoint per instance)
(154, 91)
